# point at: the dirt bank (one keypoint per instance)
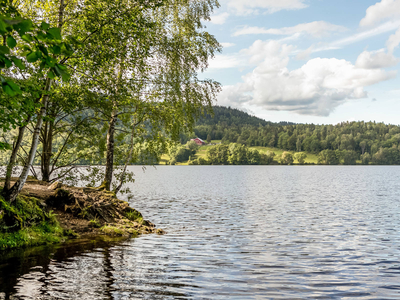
(88, 211)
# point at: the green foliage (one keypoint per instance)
(268, 158)
(350, 157)
(329, 157)
(199, 161)
(208, 138)
(233, 126)
(38, 44)
(253, 157)
(228, 116)
(24, 212)
(179, 154)
(43, 233)
(365, 158)
(25, 223)
(28, 48)
(287, 158)
(134, 215)
(218, 155)
(233, 154)
(300, 157)
(95, 223)
(387, 156)
(192, 146)
(112, 230)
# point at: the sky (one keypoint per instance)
(309, 61)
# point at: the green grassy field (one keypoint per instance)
(202, 152)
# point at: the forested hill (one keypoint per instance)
(378, 143)
(232, 116)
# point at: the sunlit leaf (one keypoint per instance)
(23, 27)
(55, 32)
(44, 26)
(14, 86)
(27, 38)
(51, 74)
(11, 42)
(32, 57)
(4, 50)
(55, 49)
(8, 62)
(8, 90)
(18, 62)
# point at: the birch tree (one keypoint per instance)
(167, 81)
(34, 45)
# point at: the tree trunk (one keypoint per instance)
(110, 152)
(13, 158)
(13, 192)
(47, 150)
(106, 184)
(61, 14)
(47, 134)
(123, 174)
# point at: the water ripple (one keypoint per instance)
(237, 232)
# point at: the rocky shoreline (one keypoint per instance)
(86, 211)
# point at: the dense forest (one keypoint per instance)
(369, 142)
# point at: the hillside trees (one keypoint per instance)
(219, 154)
(360, 137)
(287, 158)
(328, 157)
(350, 157)
(300, 157)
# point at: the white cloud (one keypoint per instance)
(383, 28)
(243, 7)
(376, 60)
(220, 18)
(227, 62)
(380, 58)
(393, 41)
(271, 53)
(233, 95)
(316, 88)
(305, 55)
(250, 30)
(227, 45)
(386, 9)
(316, 29)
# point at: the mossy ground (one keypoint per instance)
(25, 223)
(44, 215)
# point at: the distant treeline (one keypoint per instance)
(369, 142)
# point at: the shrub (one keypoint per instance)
(300, 157)
(286, 158)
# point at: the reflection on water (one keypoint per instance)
(234, 232)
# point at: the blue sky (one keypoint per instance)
(309, 61)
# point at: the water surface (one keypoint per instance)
(235, 232)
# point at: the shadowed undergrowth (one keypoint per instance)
(26, 223)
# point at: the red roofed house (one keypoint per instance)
(198, 141)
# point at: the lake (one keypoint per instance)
(234, 232)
